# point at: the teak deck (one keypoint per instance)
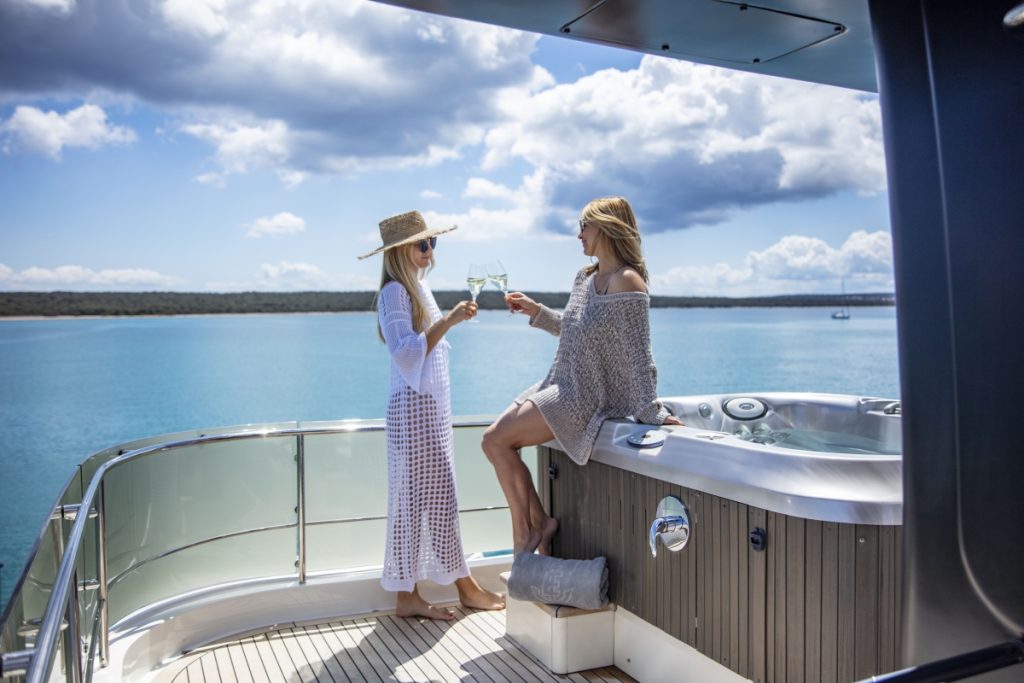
(472, 647)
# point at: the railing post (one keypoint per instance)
(72, 637)
(300, 459)
(101, 533)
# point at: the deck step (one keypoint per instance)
(565, 639)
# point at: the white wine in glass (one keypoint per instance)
(497, 274)
(475, 280)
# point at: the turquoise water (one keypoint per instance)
(69, 388)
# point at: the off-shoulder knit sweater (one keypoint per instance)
(603, 367)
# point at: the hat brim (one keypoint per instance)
(426, 234)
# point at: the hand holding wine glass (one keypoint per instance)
(517, 301)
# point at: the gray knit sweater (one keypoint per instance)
(603, 367)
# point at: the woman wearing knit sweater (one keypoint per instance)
(603, 367)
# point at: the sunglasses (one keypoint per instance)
(432, 242)
(583, 224)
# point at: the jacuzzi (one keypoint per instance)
(761, 540)
(827, 457)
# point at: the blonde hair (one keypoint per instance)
(614, 218)
(398, 267)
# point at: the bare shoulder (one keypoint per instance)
(627, 280)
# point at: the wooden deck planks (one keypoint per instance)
(383, 647)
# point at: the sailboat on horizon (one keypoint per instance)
(844, 312)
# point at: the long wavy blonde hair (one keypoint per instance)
(399, 267)
(614, 218)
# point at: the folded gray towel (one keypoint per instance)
(577, 583)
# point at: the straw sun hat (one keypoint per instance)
(406, 228)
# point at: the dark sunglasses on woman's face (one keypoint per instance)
(432, 242)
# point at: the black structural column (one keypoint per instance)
(951, 84)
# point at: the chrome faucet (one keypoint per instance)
(672, 525)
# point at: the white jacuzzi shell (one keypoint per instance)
(706, 455)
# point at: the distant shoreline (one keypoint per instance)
(35, 305)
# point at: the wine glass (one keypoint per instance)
(497, 274)
(476, 278)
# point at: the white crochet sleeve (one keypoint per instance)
(408, 348)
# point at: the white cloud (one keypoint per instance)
(76, 277)
(290, 276)
(49, 132)
(298, 88)
(212, 179)
(284, 223)
(204, 18)
(430, 194)
(809, 258)
(689, 144)
(241, 147)
(58, 6)
(519, 213)
(796, 258)
(795, 264)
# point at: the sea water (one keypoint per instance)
(71, 387)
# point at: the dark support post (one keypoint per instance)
(952, 102)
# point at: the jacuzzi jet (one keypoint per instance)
(744, 408)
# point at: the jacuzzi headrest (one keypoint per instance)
(744, 408)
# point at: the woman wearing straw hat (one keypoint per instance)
(423, 540)
(603, 367)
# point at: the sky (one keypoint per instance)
(237, 145)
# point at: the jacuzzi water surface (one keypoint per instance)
(824, 423)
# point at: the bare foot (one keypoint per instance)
(412, 605)
(473, 595)
(531, 543)
(546, 534)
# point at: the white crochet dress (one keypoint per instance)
(423, 540)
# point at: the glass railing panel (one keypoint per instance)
(227, 560)
(486, 531)
(349, 545)
(24, 609)
(474, 475)
(170, 500)
(58, 670)
(29, 604)
(89, 593)
(346, 477)
(94, 461)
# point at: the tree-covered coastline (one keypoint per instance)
(49, 304)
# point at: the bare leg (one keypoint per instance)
(412, 605)
(517, 427)
(473, 595)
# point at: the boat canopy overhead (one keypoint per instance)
(821, 41)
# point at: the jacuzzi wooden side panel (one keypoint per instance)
(820, 603)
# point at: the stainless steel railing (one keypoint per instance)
(61, 615)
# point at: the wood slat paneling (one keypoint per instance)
(758, 519)
(795, 593)
(812, 601)
(820, 603)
